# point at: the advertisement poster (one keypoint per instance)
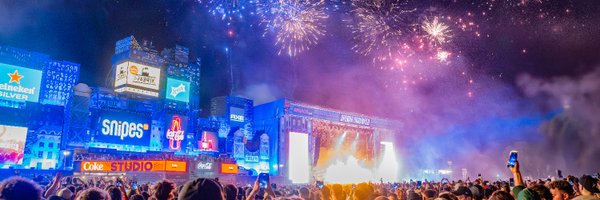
(178, 90)
(19, 83)
(12, 144)
(175, 133)
(135, 74)
(208, 141)
(123, 128)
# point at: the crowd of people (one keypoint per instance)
(69, 188)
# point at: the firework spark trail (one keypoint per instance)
(381, 27)
(438, 33)
(297, 24)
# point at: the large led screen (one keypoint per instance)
(19, 83)
(123, 128)
(178, 90)
(135, 74)
(12, 144)
(298, 163)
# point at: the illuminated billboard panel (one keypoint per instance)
(123, 128)
(12, 144)
(178, 90)
(137, 75)
(208, 142)
(175, 133)
(19, 83)
(133, 166)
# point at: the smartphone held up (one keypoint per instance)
(512, 158)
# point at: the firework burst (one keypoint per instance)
(437, 32)
(297, 24)
(227, 10)
(381, 28)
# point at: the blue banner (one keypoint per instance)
(19, 83)
(123, 128)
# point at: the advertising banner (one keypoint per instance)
(12, 144)
(175, 133)
(136, 74)
(133, 166)
(229, 168)
(178, 90)
(208, 142)
(19, 83)
(123, 128)
(237, 114)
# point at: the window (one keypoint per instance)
(41, 144)
(49, 155)
(41, 154)
(50, 145)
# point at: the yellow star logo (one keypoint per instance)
(15, 77)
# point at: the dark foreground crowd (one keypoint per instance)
(68, 188)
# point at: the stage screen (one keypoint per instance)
(340, 150)
(12, 144)
(19, 83)
(178, 90)
(298, 164)
(138, 75)
(123, 128)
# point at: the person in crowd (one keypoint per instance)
(93, 194)
(501, 195)
(136, 197)
(65, 194)
(463, 193)
(542, 191)
(325, 193)
(17, 188)
(304, 193)
(588, 188)
(163, 190)
(230, 192)
(429, 194)
(447, 196)
(114, 193)
(561, 190)
(201, 189)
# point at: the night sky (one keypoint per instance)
(523, 74)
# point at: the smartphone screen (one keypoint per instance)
(419, 183)
(511, 182)
(263, 180)
(134, 185)
(320, 184)
(512, 159)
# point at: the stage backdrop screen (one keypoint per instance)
(139, 75)
(19, 83)
(178, 90)
(12, 144)
(123, 128)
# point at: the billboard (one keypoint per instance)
(19, 83)
(134, 166)
(140, 76)
(175, 134)
(12, 144)
(123, 128)
(237, 114)
(208, 141)
(178, 90)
